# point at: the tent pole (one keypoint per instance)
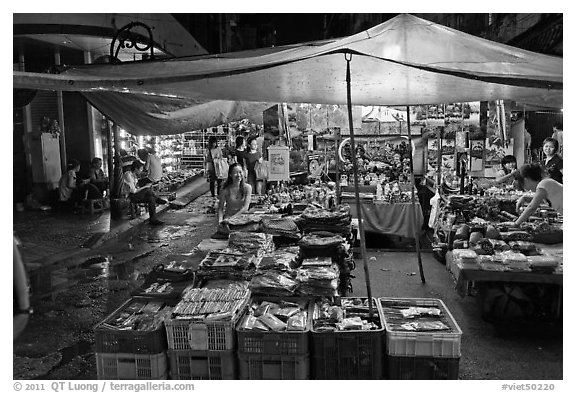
(356, 187)
(413, 186)
(337, 156)
(110, 157)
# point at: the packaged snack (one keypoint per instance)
(297, 322)
(272, 322)
(499, 245)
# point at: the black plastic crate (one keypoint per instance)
(275, 343)
(354, 354)
(202, 365)
(274, 367)
(416, 367)
(109, 340)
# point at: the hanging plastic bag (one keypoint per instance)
(221, 167)
(435, 209)
(262, 170)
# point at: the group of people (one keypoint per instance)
(91, 185)
(246, 154)
(544, 179)
(139, 175)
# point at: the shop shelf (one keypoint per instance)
(274, 367)
(110, 340)
(422, 367)
(131, 366)
(198, 335)
(444, 344)
(350, 354)
(202, 364)
(276, 343)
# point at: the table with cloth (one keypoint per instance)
(393, 219)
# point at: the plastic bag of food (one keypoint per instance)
(297, 322)
(248, 322)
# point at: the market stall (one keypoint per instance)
(404, 61)
(516, 271)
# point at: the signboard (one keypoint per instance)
(279, 158)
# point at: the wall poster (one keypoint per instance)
(279, 158)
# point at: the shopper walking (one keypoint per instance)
(213, 152)
(253, 156)
(240, 152)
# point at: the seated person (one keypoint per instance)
(138, 194)
(152, 167)
(67, 187)
(126, 160)
(507, 175)
(97, 177)
(235, 196)
(88, 190)
(546, 189)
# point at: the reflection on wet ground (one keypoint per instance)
(166, 233)
(67, 354)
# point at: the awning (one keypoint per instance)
(404, 61)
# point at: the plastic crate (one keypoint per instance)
(129, 341)
(351, 354)
(275, 343)
(131, 366)
(430, 343)
(421, 367)
(202, 364)
(198, 335)
(274, 367)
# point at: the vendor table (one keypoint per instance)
(393, 219)
(465, 277)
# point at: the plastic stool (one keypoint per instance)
(92, 206)
(135, 208)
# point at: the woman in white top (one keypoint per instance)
(546, 189)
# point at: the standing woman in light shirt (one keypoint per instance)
(545, 190)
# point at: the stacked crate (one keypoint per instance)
(430, 354)
(130, 354)
(203, 347)
(349, 354)
(275, 354)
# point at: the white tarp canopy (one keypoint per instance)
(404, 61)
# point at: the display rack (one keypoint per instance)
(169, 149)
(195, 143)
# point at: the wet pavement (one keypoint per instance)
(59, 341)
